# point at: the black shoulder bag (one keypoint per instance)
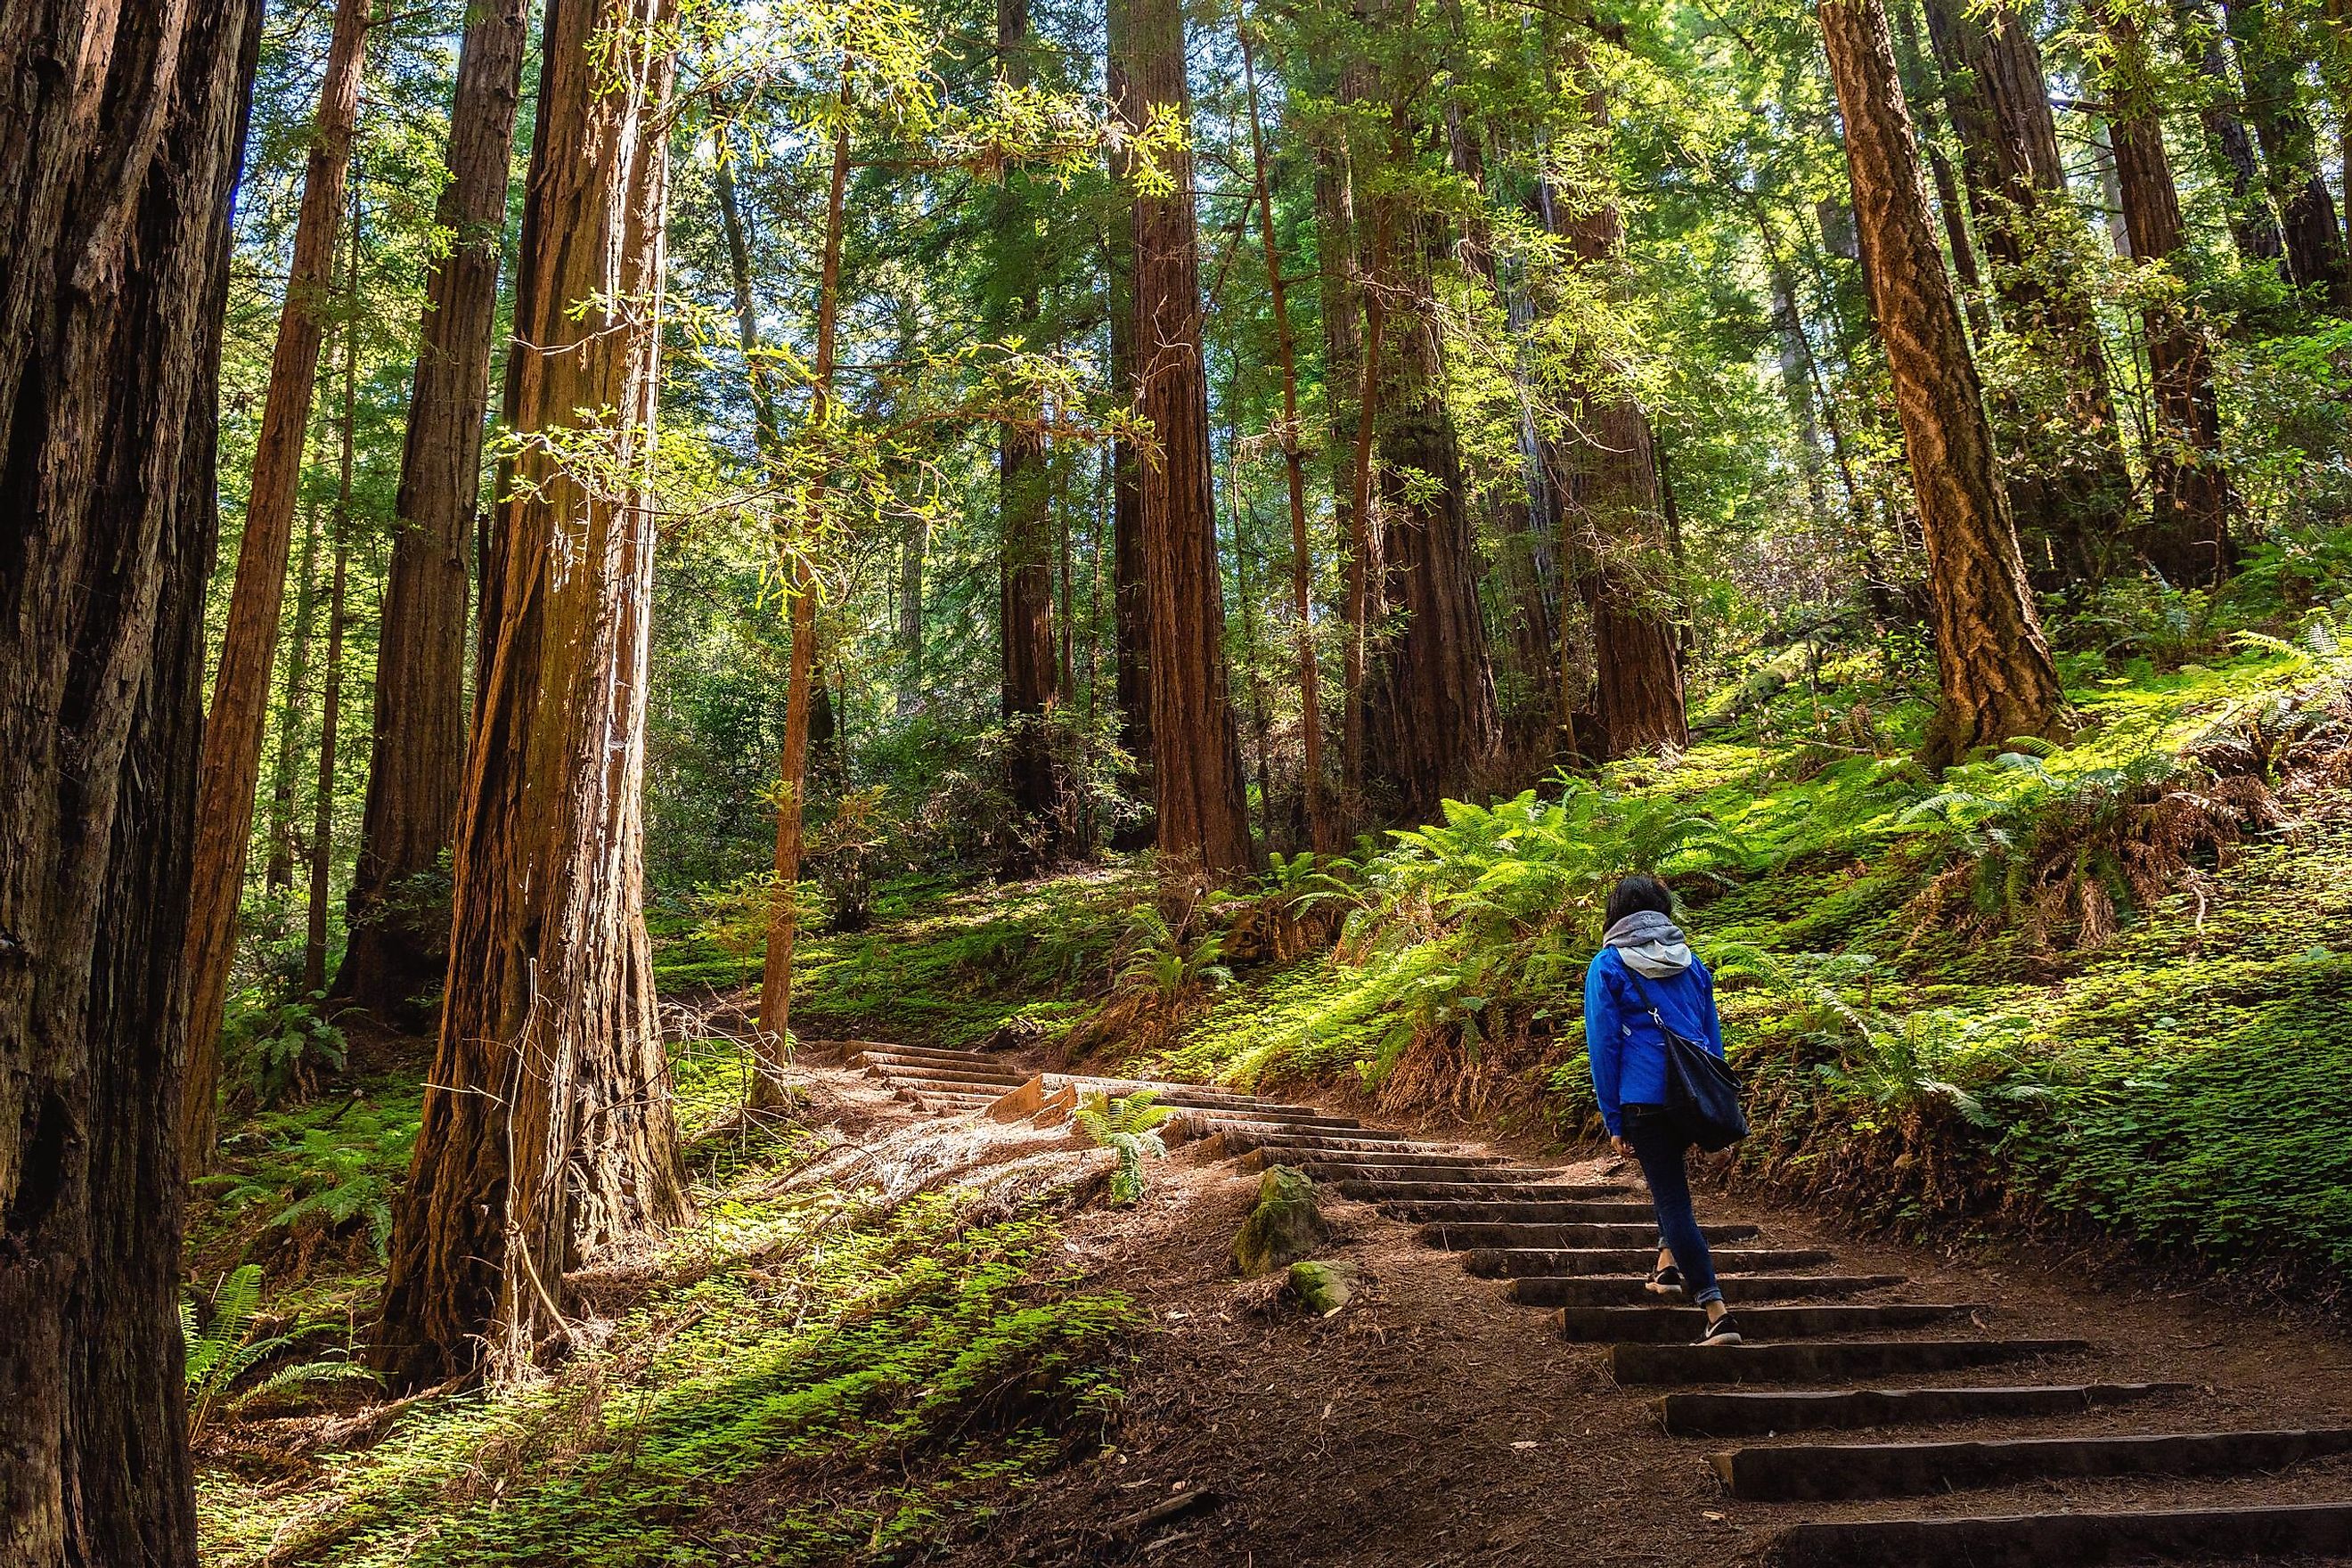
(1702, 1091)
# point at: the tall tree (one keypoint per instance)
(1614, 513)
(2290, 143)
(1434, 727)
(1992, 666)
(2188, 535)
(1030, 684)
(803, 694)
(398, 942)
(1130, 604)
(547, 1128)
(232, 729)
(2252, 226)
(2068, 485)
(331, 681)
(125, 122)
(1322, 833)
(1203, 816)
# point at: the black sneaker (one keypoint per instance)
(1723, 1331)
(1666, 1281)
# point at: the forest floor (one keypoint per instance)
(2065, 1037)
(1434, 1421)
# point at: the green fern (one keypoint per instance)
(1127, 1126)
(222, 1353)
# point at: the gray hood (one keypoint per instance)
(1650, 944)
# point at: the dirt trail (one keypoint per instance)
(1438, 1421)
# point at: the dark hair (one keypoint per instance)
(1638, 892)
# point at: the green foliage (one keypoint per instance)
(820, 1391)
(223, 1352)
(1125, 1125)
(334, 1169)
(275, 1049)
(1161, 962)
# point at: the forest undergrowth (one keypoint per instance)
(856, 1343)
(2078, 991)
(2095, 992)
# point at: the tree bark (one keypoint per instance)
(1029, 687)
(1322, 833)
(331, 699)
(2189, 536)
(278, 871)
(1433, 728)
(398, 943)
(2068, 485)
(1130, 601)
(547, 1129)
(232, 729)
(1204, 819)
(2290, 144)
(2254, 228)
(802, 690)
(1613, 515)
(117, 169)
(1991, 663)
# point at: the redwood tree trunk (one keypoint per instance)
(547, 1128)
(233, 729)
(1433, 728)
(1030, 686)
(805, 690)
(2068, 485)
(2188, 537)
(2252, 226)
(330, 699)
(117, 169)
(1322, 833)
(1991, 663)
(398, 946)
(2290, 143)
(1614, 514)
(1204, 819)
(1130, 604)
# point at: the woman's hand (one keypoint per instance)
(1621, 1146)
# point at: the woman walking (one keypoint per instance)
(1644, 981)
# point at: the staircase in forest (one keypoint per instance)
(1972, 1444)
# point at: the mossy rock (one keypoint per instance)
(1288, 1223)
(1322, 1288)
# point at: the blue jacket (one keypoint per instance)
(1629, 1055)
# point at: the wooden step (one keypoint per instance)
(926, 1077)
(1475, 1176)
(1681, 1325)
(1631, 1290)
(1825, 1472)
(1511, 1262)
(1259, 1150)
(1815, 1361)
(1761, 1413)
(927, 1056)
(2075, 1539)
(1540, 1211)
(1251, 1124)
(1462, 1236)
(1464, 1183)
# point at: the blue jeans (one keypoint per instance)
(1660, 1148)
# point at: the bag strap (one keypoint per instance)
(1648, 1003)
